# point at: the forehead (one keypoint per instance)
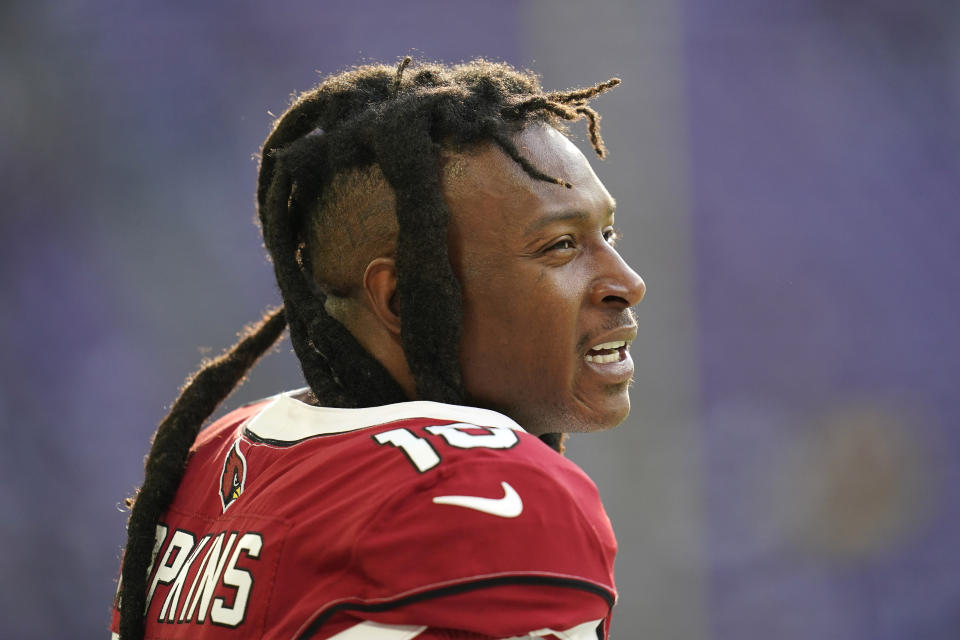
(487, 190)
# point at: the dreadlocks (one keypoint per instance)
(372, 127)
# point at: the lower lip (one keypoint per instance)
(614, 372)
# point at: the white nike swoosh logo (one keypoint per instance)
(509, 506)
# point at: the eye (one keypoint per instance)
(565, 242)
(611, 236)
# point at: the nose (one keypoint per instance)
(616, 284)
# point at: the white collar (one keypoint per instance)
(287, 419)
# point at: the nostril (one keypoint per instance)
(616, 300)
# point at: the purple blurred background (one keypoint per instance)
(788, 177)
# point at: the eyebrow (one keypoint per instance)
(564, 216)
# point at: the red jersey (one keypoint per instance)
(415, 520)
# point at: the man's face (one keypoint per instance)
(546, 297)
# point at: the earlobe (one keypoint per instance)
(380, 285)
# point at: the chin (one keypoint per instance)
(590, 419)
(607, 417)
(608, 423)
(566, 416)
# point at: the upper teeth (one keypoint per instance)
(603, 358)
(610, 345)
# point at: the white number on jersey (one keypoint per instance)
(495, 438)
(424, 456)
(418, 451)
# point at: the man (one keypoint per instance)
(446, 261)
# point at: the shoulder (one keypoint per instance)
(406, 461)
(427, 471)
(420, 442)
(414, 445)
(426, 512)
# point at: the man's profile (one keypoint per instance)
(445, 257)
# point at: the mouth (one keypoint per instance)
(608, 352)
(609, 358)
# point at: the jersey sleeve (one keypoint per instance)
(499, 548)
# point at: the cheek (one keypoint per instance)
(519, 323)
(524, 338)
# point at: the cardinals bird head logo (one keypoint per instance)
(234, 476)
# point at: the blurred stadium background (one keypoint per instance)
(787, 174)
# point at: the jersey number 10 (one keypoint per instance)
(423, 456)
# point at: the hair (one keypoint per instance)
(372, 116)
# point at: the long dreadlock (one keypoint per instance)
(372, 115)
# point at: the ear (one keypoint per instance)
(380, 285)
